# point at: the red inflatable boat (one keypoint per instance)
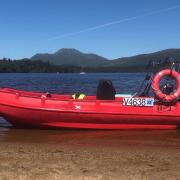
(29, 109)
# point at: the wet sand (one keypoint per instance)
(27, 154)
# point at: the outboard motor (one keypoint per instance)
(105, 90)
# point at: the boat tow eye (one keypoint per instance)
(170, 97)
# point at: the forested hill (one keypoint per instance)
(139, 63)
(71, 57)
(143, 59)
(74, 57)
(71, 60)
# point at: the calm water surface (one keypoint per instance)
(87, 83)
(70, 83)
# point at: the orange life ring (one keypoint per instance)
(156, 85)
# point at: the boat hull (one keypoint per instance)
(34, 110)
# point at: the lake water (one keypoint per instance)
(70, 83)
(87, 83)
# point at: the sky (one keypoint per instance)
(110, 28)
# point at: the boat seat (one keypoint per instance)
(105, 90)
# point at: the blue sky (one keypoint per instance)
(29, 27)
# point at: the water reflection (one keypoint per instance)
(94, 138)
(91, 138)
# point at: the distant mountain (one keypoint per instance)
(71, 57)
(74, 61)
(143, 59)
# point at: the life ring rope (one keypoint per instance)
(156, 85)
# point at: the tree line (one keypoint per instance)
(29, 66)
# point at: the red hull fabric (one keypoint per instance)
(30, 109)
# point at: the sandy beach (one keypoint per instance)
(42, 154)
